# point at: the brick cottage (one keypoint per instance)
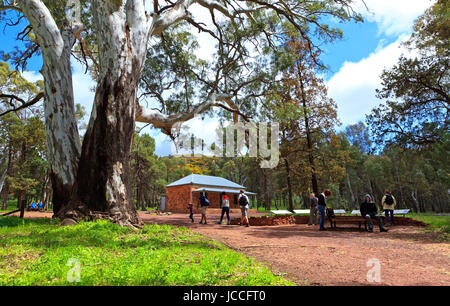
(187, 190)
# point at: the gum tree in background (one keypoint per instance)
(417, 88)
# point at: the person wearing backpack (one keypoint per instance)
(243, 203)
(388, 203)
(225, 208)
(204, 203)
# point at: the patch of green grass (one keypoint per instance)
(38, 252)
(12, 205)
(439, 224)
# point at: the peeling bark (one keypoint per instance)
(103, 184)
(63, 141)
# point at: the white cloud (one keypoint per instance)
(207, 44)
(82, 87)
(393, 17)
(32, 76)
(353, 87)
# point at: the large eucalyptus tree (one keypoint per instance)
(92, 180)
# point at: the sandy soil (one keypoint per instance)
(407, 254)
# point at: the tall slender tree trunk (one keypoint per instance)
(314, 183)
(21, 203)
(415, 201)
(266, 189)
(5, 193)
(288, 179)
(5, 171)
(5, 188)
(350, 190)
(47, 198)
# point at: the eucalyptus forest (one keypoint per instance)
(268, 69)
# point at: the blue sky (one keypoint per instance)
(355, 62)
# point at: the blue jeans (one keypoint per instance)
(369, 221)
(322, 214)
(386, 213)
(227, 211)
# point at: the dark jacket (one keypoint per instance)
(368, 208)
(322, 200)
(313, 202)
(203, 201)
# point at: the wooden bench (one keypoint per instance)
(348, 219)
(402, 212)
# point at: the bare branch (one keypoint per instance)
(31, 102)
(166, 122)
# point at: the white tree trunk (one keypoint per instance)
(4, 173)
(63, 141)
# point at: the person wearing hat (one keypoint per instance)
(191, 212)
(369, 210)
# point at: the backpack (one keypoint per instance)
(204, 201)
(243, 200)
(330, 213)
(389, 200)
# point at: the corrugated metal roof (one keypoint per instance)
(222, 190)
(206, 180)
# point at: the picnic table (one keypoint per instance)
(339, 211)
(396, 212)
(302, 211)
(281, 212)
(357, 218)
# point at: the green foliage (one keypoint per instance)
(12, 82)
(36, 252)
(417, 88)
(26, 142)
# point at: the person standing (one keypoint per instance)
(388, 203)
(243, 203)
(322, 204)
(225, 208)
(313, 211)
(369, 210)
(191, 212)
(204, 203)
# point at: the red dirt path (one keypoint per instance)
(408, 255)
(307, 256)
